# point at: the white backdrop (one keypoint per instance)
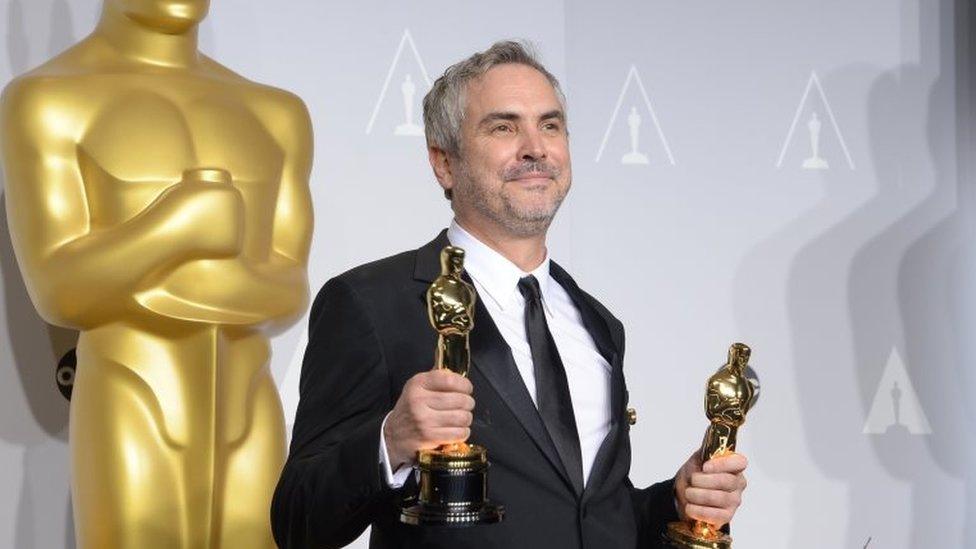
(850, 271)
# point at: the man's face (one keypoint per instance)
(169, 16)
(514, 168)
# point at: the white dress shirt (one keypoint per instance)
(588, 373)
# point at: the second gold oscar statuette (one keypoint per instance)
(729, 395)
(453, 476)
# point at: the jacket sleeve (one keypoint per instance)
(331, 486)
(653, 510)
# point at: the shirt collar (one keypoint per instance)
(496, 275)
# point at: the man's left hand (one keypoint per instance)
(711, 492)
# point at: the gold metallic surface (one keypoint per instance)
(450, 307)
(159, 203)
(453, 457)
(729, 394)
(682, 534)
(632, 416)
(453, 477)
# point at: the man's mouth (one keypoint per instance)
(533, 178)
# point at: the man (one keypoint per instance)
(546, 394)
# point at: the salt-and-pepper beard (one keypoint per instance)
(471, 190)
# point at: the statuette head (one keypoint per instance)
(452, 261)
(168, 16)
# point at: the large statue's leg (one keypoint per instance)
(177, 439)
(125, 473)
(253, 449)
(143, 428)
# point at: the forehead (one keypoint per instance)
(511, 87)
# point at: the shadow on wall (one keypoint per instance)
(44, 518)
(916, 166)
(808, 261)
(937, 279)
(914, 259)
(37, 347)
(898, 252)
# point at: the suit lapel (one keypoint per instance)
(607, 338)
(608, 448)
(609, 341)
(492, 358)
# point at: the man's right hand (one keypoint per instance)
(434, 408)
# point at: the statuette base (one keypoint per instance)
(453, 489)
(682, 535)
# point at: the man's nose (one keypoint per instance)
(533, 146)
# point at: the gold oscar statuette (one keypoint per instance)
(453, 476)
(729, 395)
(158, 203)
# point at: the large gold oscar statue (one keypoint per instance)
(159, 203)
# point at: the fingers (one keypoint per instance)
(718, 481)
(443, 436)
(437, 428)
(729, 463)
(423, 414)
(429, 423)
(711, 492)
(449, 401)
(434, 408)
(449, 419)
(445, 381)
(713, 498)
(711, 515)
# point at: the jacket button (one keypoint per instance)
(631, 416)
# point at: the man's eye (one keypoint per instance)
(552, 126)
(501, 128)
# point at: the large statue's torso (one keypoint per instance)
(175, 130)
(137, 131)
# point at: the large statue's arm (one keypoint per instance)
(76, 273)
(286, 268)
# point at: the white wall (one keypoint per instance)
(845, 281)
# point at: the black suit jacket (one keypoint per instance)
(368, 334)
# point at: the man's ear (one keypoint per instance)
(443, 166)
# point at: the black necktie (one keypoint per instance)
(551, 387)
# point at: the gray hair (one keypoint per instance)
(444, 103)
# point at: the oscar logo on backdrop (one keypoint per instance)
(815, 127)
(896, 409)
(634, 156)
(634, 123)
(815, 162)
(408, 90)
(409, 127)
(159, 204)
